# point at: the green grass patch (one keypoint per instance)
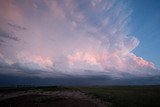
(127, 96)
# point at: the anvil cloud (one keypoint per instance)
(50, 38)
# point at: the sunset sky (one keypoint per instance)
(113, 39)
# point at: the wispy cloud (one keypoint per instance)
(17, 26)
(70, 37)
(4, 34)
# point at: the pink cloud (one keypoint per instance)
(55, 9)
(9, 11)
(82, 56)
(83, 61)
(62, 37)
(140, 62)
(109, 62)
(34, 61)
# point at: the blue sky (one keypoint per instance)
(145, 22)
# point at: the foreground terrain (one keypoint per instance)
(97, 96)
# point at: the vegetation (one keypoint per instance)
(118, 96)
(127, 96)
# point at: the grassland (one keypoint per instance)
(127, 96)
(117, 96)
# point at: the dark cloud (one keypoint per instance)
(7, 35)
(17, 26)
(2, 40)
(8, 80)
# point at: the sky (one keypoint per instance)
(146, 27)
(98, 40)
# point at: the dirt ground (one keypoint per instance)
(50, 99)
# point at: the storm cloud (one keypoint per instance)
(69, 38)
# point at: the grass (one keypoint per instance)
(119, 96)
(127, 96)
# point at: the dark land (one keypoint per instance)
(92, 96)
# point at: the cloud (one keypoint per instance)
(34, 62)
(70, 38)
(17, 26)
(9, 11)
(4, 34)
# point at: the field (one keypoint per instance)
(128, 96)
(95, 96)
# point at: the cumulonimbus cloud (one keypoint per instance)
(70, 37)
